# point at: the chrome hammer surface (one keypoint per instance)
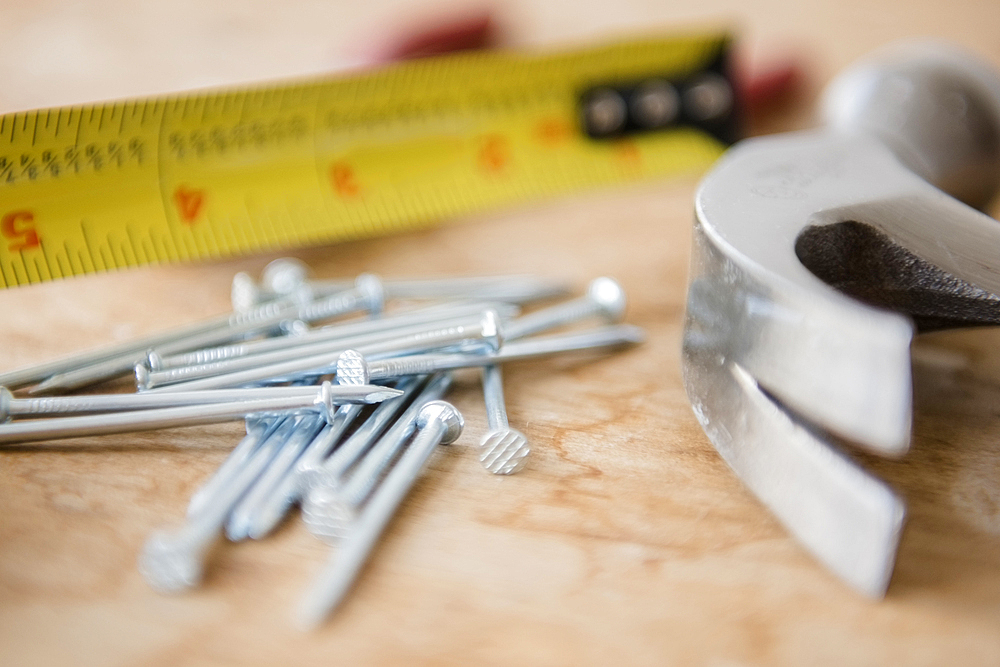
(817, 256)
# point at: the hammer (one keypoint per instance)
(816, 257)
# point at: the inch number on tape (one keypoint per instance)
(213, 174)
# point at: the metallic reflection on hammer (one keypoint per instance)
(817, 256)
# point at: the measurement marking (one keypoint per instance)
(82, 257)
(108, 266)
(3, 275)
(175, 247)
(90, 249)
(326, 196)
(396, 213)
(188, 245)
(226, 229)
(263, 220)
(34, 130)
(161, 155)
(283, 231)
(17, 278)
(377, 213)
(148, 249)
(38, 270)
(276, 234)
(163, 248)
(48, 113)
(109, 242)
(206, 236)
(196, 239)
(177, 244)
(69, 258)
(241, 231)
(162, 252)
(79, 125)
(48, 260)
(135, 249)
(129, 249)
(242, 98)
(142, 118)
(100, 119)
(427, 205)
(210, 231)
(13, 126)
(260, 235)
(121, 123)
(171, 249)
(64, 269)
(257, 233)
(249, 234)
(124, 250)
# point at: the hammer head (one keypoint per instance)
(816, 258)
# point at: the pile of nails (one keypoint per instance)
(313, 439)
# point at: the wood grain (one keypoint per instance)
(625, 541)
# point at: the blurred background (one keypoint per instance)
(628, 541)
(68, 52)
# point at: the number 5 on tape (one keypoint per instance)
(18, 227)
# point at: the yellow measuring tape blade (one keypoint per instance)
(214, 174)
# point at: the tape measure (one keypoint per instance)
(220, 173)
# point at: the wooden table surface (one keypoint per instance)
(626, 540)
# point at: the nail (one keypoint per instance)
(325, 510)
(11, 407)
(131, 349)
(484, 328)
(322, 364)
(267, 511)
(438, 423)
(512, 289)
(172, 561)
(258, 430)
(502, 450)
(605, 298)
(306, 431)
(322, 400)
(425, 315)
(271, 509)
(367, 295)
(287, 276)
(330, 473)
(354, 363)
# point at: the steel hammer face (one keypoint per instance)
(816, 258)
